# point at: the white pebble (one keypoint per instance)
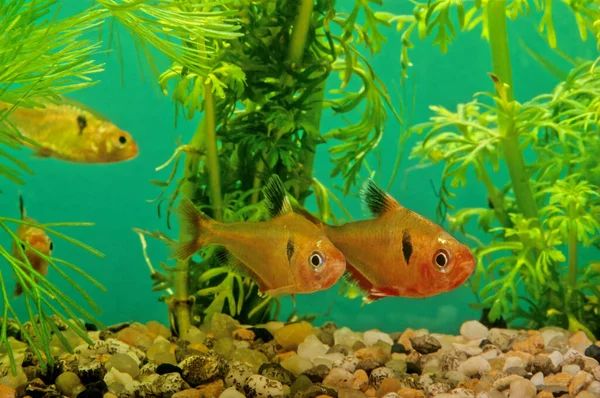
(263, 386)
(474, 365)
(594, 387)
(338, 378)
(346, 336)
(373, 336)
(296, 364)
(571, 369)
(538, 379)
(470, 350)
(522, 389)
(323, 361)
(231, 392)
(474, 330)
(312, 347)
(549, 334)
(513, 362)
(557, 358)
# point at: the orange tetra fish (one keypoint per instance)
(71, 131)
(399, 252)
(35, 238)
(286, 255)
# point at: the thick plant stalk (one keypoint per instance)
(212, 152)
(572, 252)
(513, 156)
(181, 297)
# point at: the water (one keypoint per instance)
(115, 196)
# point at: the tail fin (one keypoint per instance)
(22, 207)
(196, 224)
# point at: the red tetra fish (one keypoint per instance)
(285, 255)
(399, 252)
(35, 238)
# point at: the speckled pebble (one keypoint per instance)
(425, 344)
(201, 369)
(261, 386)
(378, 375)
(237, 375)
(275, 371)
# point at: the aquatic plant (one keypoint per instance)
(54, 60)
(530, 271)
(262, 101)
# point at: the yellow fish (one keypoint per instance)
(35, 238)
(285, 255)
(71, 131)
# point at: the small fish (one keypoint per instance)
(35, 238)
(71, 131)
(286, 255)
(399, 252)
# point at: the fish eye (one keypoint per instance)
(316, 260)
(441, 259)
(123, 139)
(81, 122)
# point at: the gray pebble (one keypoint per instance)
(339, 348)
(316, 374)
(164, 386)
(327, 338)
(275, 371)
(367, 365)
(425, 344)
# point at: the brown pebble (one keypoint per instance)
(243, 334)
(188, 393)
(410, 393)
(532, 345)
(561, 379)
(526, 357)
(545, 394)
(371, 392)
(580, 382)
(374, 352)
(7, 392)
(405, 339)
(388, 385)
(361, 380)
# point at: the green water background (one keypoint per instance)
(115, 196)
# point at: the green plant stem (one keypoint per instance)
(212, 152)
(513, 156)
(181, 304)
(494, 194)
(572, 260)
(300, 32)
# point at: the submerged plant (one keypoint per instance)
(53, 60)
(262, 100)
(529, 268)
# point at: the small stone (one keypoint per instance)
(237, 375)
(368, 365)
(302, 383)
(261, 386)
(276, 372)
(90, 371)
(543, 364)
(212, 389)
(7, 392)
(561, 378)
(425, 344)
(556, 358)
(66, 382)
(474, 330)
(504, 382)
(327, 338)
(222, 325)
(136, 335)
(399, 348)
(296, 364)
(579, 341)
(374, 352)
(346, 337)
(348, 363)
(587, 394)
(414, 363)
(371, 337)
(475, 366)
(290, 336)
(158, 329)
(317, 373)
(361, 380)
(469, 350)
(389, 385)
(594, 387)
(538, 379)
(580, 382)
(339, 348)
(231, 393)
(312, 347)
(188, 393)
(596, 373)
(124, 364)
(571, 369)
(532, 344)
(390, 395)
(197, 370)
(555, 389)
(593, 351)
(168, 384)
(410, 393)
(243, 334)
(339, 378)
(165, 368)
(511, 362)
(522, 388)
(398, 366)
(378, 375)
(262, 334)
(250, 357)
(502, 338)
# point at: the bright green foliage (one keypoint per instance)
(267, 115)
(528, 269)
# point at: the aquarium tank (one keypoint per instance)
(300, 198)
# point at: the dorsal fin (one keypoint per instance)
(376, 199)
(22, 207)
(276, 198)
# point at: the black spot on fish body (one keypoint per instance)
(290, 249)
(407, 247)
(82, 123)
